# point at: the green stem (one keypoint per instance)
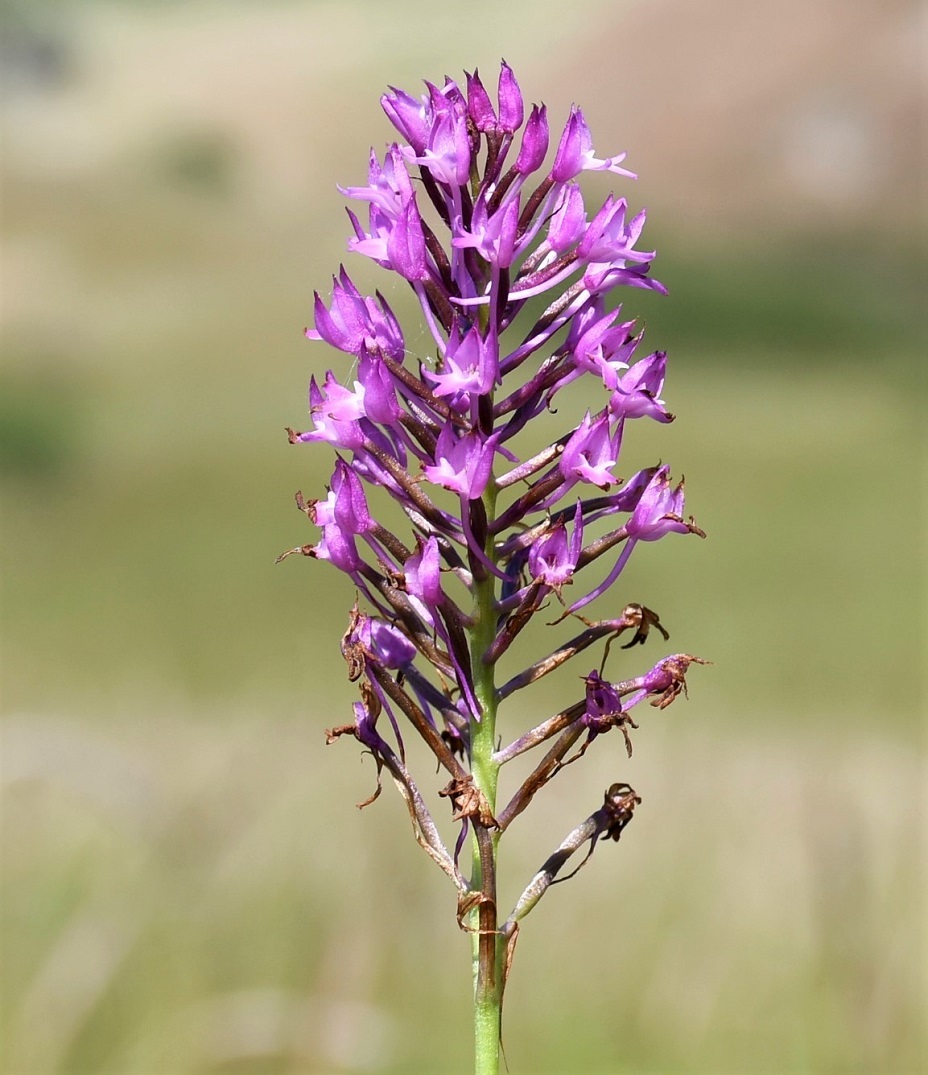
(487, 962)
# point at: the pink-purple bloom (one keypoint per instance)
(470, 366)
(593, 451)
(354, 323)
(552, 558)
(660, 510)
(575, 152)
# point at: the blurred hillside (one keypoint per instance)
(170, 814)
(169, 205)
(739, 116)
(771, 120)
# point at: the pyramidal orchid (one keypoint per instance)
(512, 275)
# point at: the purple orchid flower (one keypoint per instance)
(660, 510)
(462, 464)
(552, 559)
(575, 153)
(593, 451)
(637, 392)
(354, 323)
(470, 366)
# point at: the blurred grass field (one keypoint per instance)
(187, 885)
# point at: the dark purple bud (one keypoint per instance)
(343, 516)
(534, 142)
(448, 96)
(511, 110)
(338, 547)
(479, 106)
(626, 499)
(331, 329)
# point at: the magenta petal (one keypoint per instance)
(534, 142)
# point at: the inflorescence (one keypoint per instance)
(513, 279)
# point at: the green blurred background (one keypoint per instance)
(187, 885)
